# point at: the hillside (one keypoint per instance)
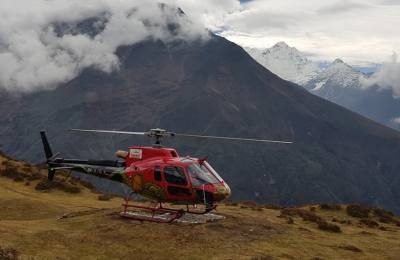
(215, 88)
(55, 224)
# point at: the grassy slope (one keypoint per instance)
(29, 223)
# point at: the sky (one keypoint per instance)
(363, 33)
(35, 56)
(359, 32)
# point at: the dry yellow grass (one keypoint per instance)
(30, 223)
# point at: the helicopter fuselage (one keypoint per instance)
(156, 173)
(160, 174)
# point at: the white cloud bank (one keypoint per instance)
(362, 32)
(38, 50)
(35, 55)
(387, 77)
(359, 31)
(396, 120)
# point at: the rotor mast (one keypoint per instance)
(158, 134)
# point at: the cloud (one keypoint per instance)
(211, 13)
(387, 77)
(357, 31)
(44, 43)
(390, 2)
(257, 19)
(342, 6)
(396, 120)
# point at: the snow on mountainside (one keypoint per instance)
(338, 74)
(340, 83)
(286, 62)
(291, 64)
(337, 82)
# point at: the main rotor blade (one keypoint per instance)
(182, 135)
(234, 138)
(108, 131)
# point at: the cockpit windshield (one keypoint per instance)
(200, 174)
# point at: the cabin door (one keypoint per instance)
(177, 185)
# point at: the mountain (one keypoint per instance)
(37, 224)
(214, 87)
(287, 62)
(337, 82)
(338, 75)
(340, 83)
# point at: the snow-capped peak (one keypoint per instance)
(290, 64)
(285, 61)
(281, 45)
(338, 73)
(337, 61)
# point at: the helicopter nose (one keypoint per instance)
(222, 192)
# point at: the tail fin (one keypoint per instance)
(48, 153)
(46, 145)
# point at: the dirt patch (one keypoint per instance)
(272, 206)
(343, 221)
(8, 254)
(105, 197)
(310, 216)
(75, 181)
(385, 216)
(330, 206)
(306, 215)
(13, 173)
(17, 174)
(369, 223)
(264, 257)
(232, 204)
(82, 213)
(251, 205)
(57, 185)
(358, 211)
(382, 213)
(350, 248)
(324, 225)
(367, 233)
(26, 209)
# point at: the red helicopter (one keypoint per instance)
(156, 172)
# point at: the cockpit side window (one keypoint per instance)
(175, 175)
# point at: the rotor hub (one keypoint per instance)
(158, 134)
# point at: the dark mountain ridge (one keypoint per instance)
(215, 88)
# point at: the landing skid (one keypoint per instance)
(152, 214)
(205, 211)
(157, 213)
